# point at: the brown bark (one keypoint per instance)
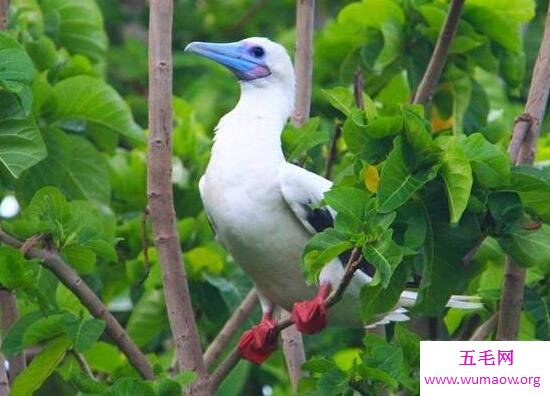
(51, 260)
(4, 9)
(8, 316)
(522, 151)
(303, 60)
(427, 86)
(230, 327)
(294, 352)
(160, 195)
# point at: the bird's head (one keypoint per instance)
(255, 60)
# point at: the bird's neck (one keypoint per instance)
(252, 130)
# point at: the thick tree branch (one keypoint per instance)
(233, 358)
(303, 60)
(427, 86)
(160, 195)
(230, 327)
(51, 260)
(522, 151)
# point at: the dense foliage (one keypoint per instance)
(416, 189)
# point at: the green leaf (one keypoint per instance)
(490, 163)
(78, 26)
(397, 183)
(21, 145)
(382, 356)
(506, 210)
(322, 248)
(352, 201)
(393, 42)
(514, 10)
(13, 273)
(131, 386)
(354, 131)
(443, 273)
(41, 367)
(148, 317)
(82, 332)
(45, 328)
(74, 165)
(533, 187)
(15, 64)
(457, 175)
(298, 141)
(203, 259)
(498, 28)
(88, 101)
(12, 342)
(409, 343)
(397, 90)
(341, 98)
(382, 127)
(80, 258)
(377, 301)
(385, 255)
(529, 248)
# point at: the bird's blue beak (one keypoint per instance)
(238, 57)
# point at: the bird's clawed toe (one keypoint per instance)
(258, 343)
(311, 316)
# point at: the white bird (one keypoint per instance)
(259, 205)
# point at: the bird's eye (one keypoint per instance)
(258, 52)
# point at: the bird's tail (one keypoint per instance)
(408, 299)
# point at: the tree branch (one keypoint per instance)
(485, 328)
(427, 86)
(233, 358)
(522, 151)
(230, 327)
(4, 10)
(160, 195)
(51, 260)
(294, 352)
(8, 316)
(303, 60)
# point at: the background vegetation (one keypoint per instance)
(421, 188)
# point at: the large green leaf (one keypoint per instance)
(397, 183)
(21, 145)
(443, 273)
(74, 165)
(322, 248)
(41, 367)
(528, 247)
(490, 163)
(385, 255)
(457, 175)
(148, 317)
(91, 103)
(82, 332)
(76, 25)
(297, 141)
(533, 187)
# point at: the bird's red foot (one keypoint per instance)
(257, 344)
(311, 316)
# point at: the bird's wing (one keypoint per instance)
(303, 191)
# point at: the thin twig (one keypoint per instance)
(358, 84)
(485, 328)
(160, 195)
(230, 327)
(233, 358)
(4, 10)
(427, 86)
(522, 151)
(303, 60)
(332, 152)
(51, 260)
(84, 366)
